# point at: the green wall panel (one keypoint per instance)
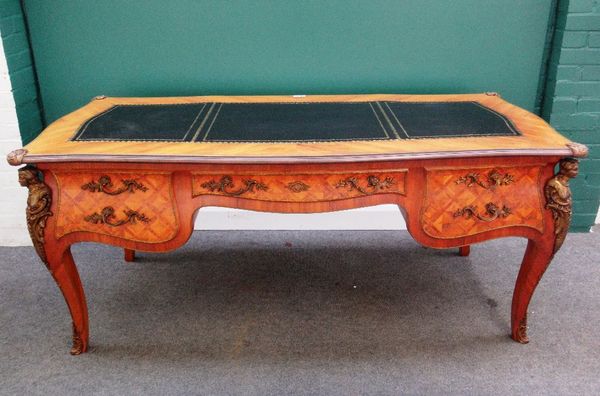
(197, 47)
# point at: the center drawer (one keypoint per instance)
(305, 187)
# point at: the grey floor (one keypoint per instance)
(275, 313)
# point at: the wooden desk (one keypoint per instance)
(462, 168)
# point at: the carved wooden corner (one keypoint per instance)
(559, 200)
(15, 158)
(38, 207)
(579, 150)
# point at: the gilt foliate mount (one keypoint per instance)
(559, 199)
(105, 185)
(373, 185)
(491, 213)
(489, 182)
(297, 186)
(226, 186)
(39, 202)
(107, 216)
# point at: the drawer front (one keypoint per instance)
(300, 187)
(466, 202)
(133, 206)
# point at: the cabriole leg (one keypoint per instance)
(129, 255)
(540, 251)
(58, 260)
(537, 258)
(464, 251)
(63, 270)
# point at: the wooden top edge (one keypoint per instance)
(292, 98)
(32, 159)
(538, 138)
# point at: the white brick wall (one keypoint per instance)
(13, 197)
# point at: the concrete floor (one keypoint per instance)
(304, 313)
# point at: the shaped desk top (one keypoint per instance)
(296, 129)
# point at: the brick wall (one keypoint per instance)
(572, 99)
(22, 76)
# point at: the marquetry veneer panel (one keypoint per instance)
(143, 203)
(455, 198)
(300, 187)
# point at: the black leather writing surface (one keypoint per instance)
(294, 122)
(446, 119)
(143, 122)
(267, 122)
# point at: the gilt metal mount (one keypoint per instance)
(559, 199)
(374, 184)
(492, 212)
(107, 216)
(297, 186)
(225, 184)
(105, 185)
(77, 348)
(39, 202)
(493, 180)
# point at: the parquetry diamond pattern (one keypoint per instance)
(444, 197)
(156, 203)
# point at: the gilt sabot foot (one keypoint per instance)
(521, 334)
(79, 346)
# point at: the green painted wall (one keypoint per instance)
(198, 47)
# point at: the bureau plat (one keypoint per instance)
(133, 172)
